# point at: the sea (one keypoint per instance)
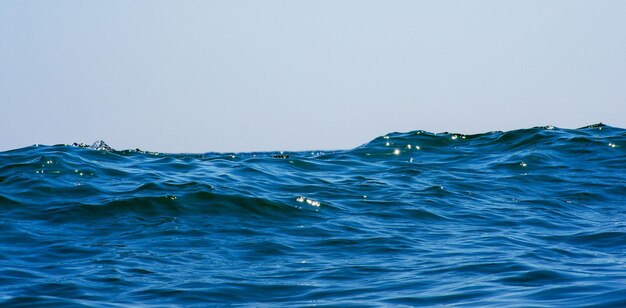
(531, 217)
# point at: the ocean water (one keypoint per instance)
(531, 217)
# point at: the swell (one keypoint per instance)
(530, 217)
(196, 203)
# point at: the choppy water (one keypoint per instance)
(531, 217)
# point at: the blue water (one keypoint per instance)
(531, 217)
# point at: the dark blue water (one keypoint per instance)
(531, 217)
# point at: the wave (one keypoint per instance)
(530, 217)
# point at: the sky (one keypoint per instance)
(234, 76)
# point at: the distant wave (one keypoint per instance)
(530, 217)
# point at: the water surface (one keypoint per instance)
(531, 217)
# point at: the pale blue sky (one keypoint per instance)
(198, 76)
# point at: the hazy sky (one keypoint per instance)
(199, 76)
